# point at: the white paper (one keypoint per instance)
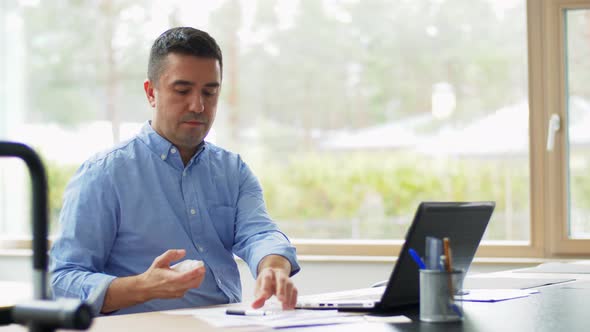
(577, 285)
(558, 267)
(388, 319)
(494, 295)
(510, 283)
(12, 293)
(291, 318)
(280, 319)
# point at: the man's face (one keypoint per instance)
(185, 99)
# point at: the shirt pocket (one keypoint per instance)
(223, 219)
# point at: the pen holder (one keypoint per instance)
(437, 292)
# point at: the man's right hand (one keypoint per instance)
(158, 282)
(161, 282)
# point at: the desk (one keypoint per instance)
(554, 309)
(13, 292)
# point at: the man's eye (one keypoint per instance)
(182, 92)
(209, 93)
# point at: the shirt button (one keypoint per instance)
(200, 249)
(173, 150)
(193, 211)
(163, 156)
(184, 173)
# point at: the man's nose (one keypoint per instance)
(197, 104)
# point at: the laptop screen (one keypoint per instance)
(464, 223)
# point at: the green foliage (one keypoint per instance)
(329, 195)
(58, 177)
(579, 179)
(76, 67)
(380, 190)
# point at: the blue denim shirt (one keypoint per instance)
(125, 207)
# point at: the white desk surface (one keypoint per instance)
(158, 321)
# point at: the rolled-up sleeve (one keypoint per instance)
(256, 235)
(88, 223)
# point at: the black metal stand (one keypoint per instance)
(42, 315)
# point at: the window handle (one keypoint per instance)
(554, 125)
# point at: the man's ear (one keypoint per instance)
(148, 87)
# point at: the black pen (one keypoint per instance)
(242, 312)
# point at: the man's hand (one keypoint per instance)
(158, 282)
(161, 282)
(273, 279)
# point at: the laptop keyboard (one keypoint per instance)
(374, 293)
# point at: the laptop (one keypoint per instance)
(464, 223)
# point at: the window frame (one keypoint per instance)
(554, 54)
(548, 170)
(536, 247)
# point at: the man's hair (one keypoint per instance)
(182, 40)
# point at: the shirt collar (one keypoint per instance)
(158, 144)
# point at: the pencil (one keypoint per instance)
(449, 268)
(448, 265)
(447, 251)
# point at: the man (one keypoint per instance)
(168, 195)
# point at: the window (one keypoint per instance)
(577, 25)
(14, 213)
(350, 112)
(567, 72)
